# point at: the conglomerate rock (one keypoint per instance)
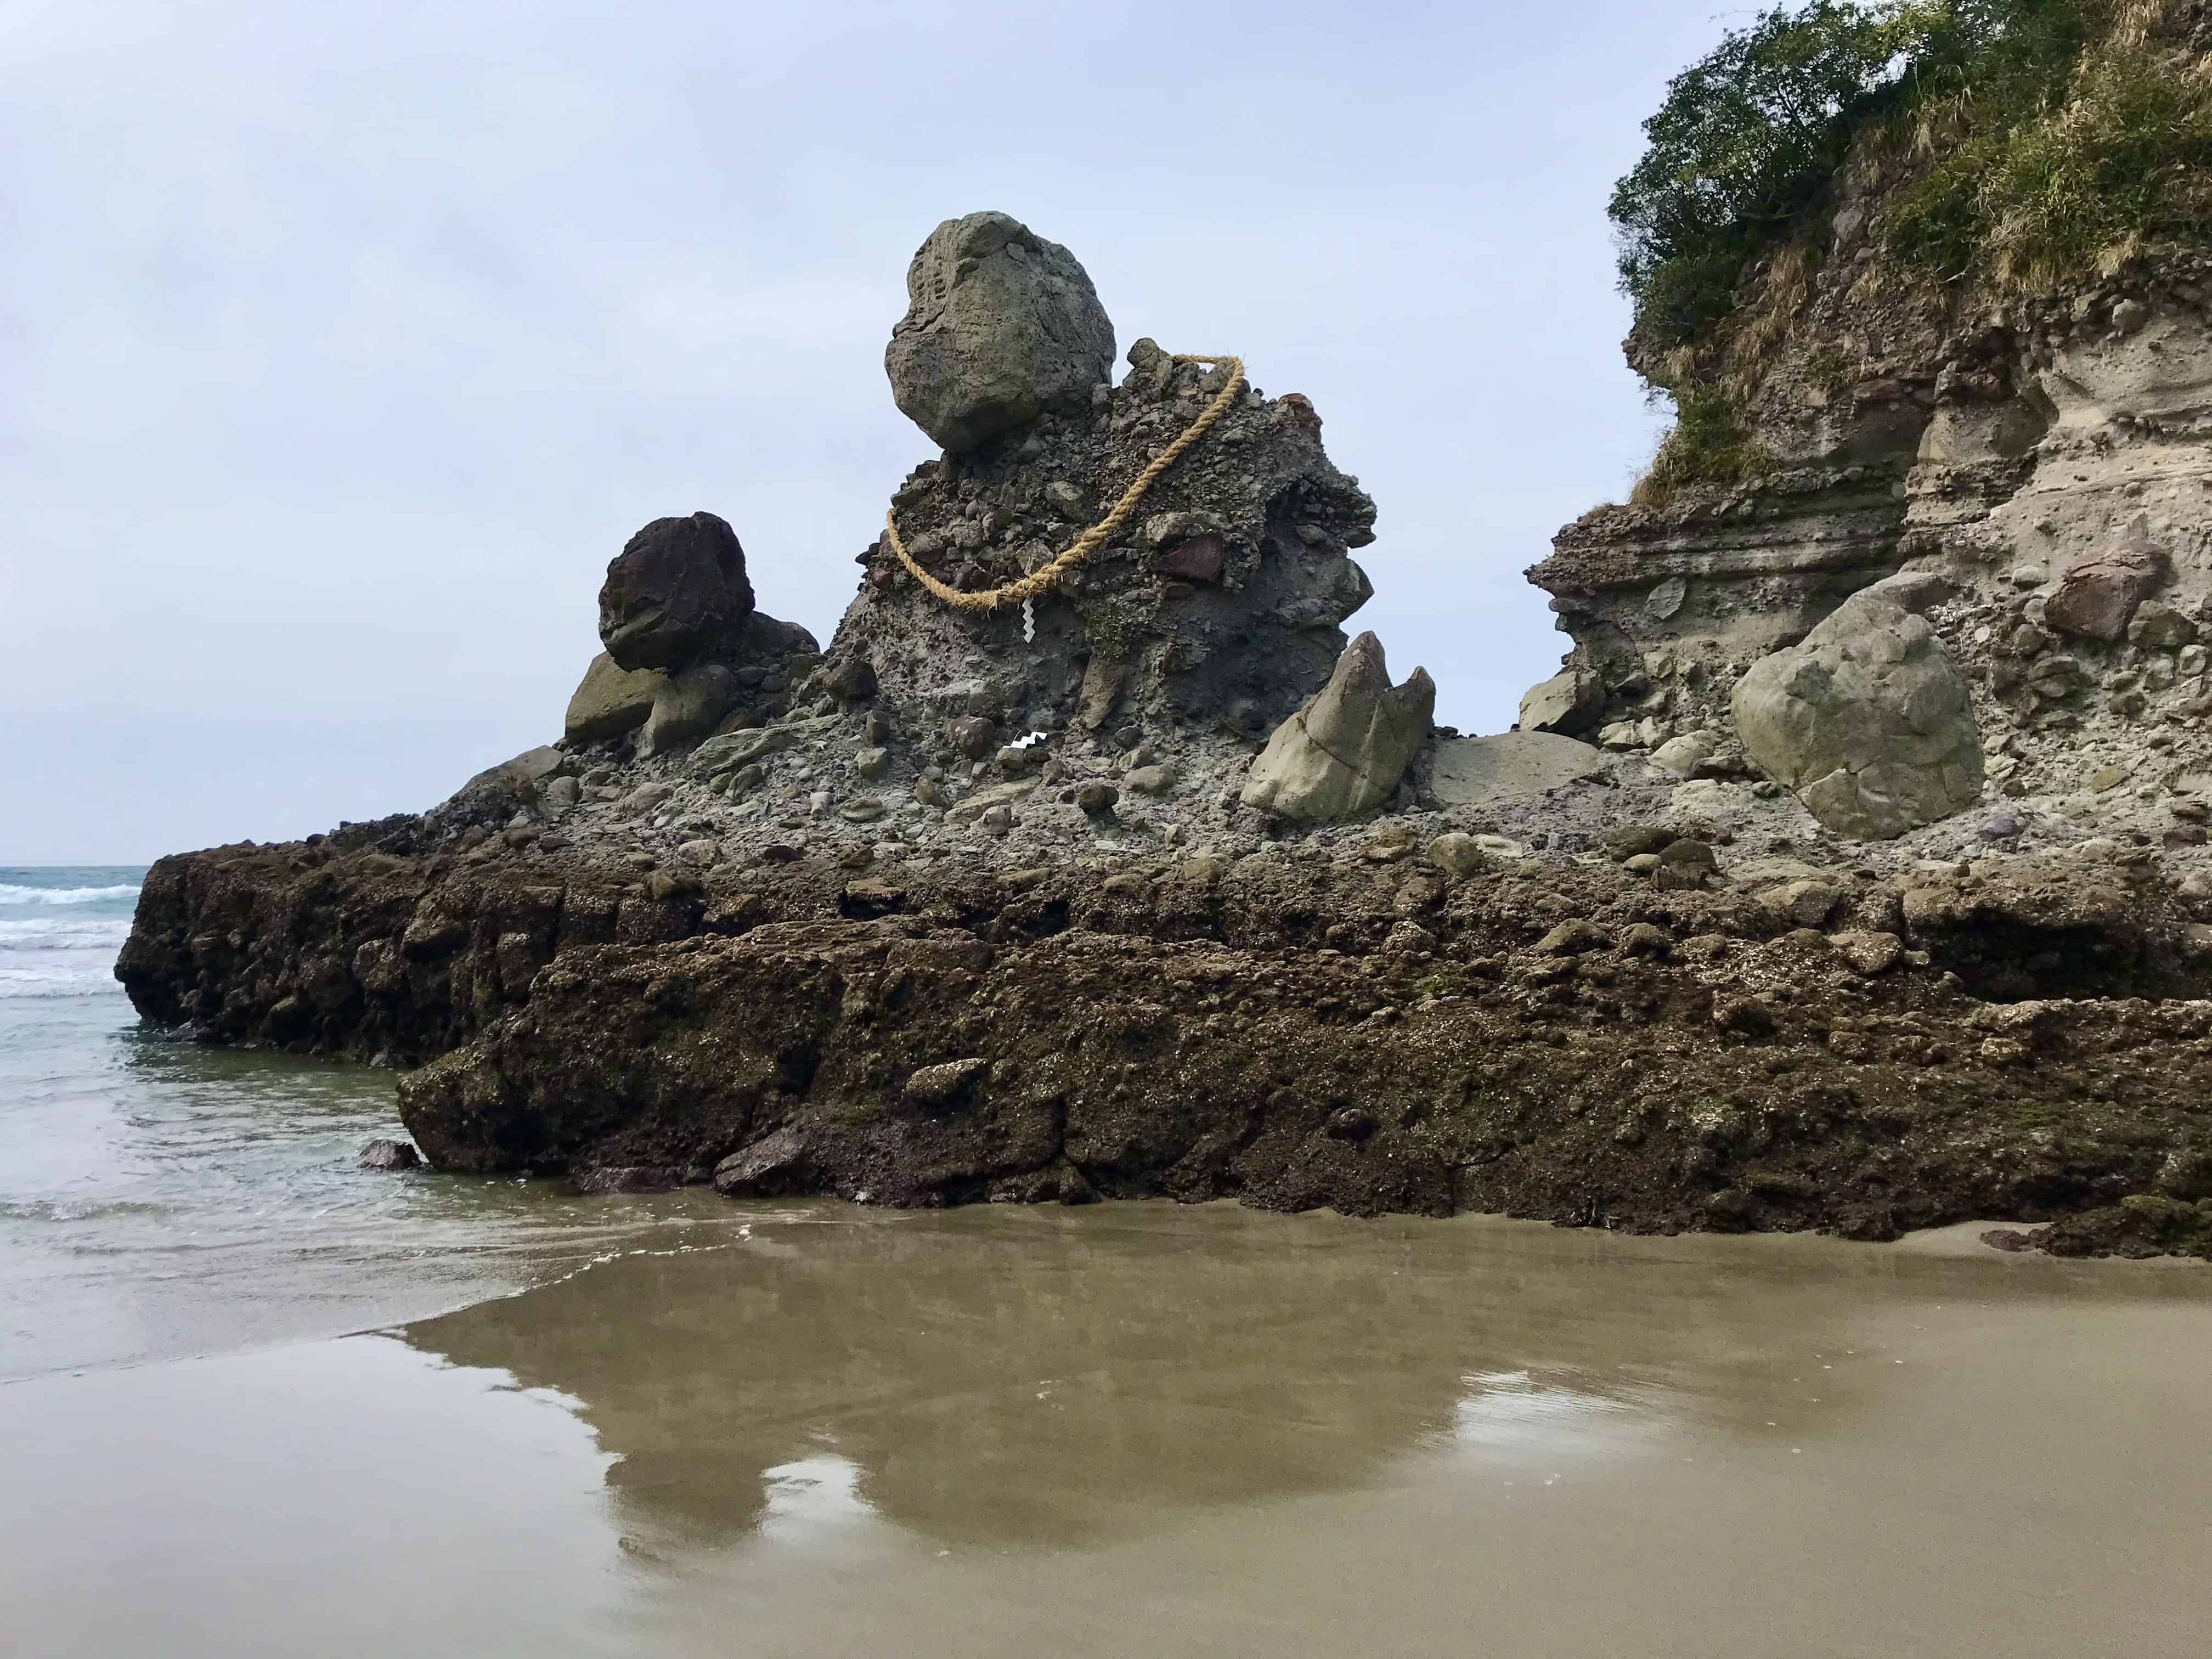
(1557, 1040)
(1001, 326)
(970, 908)
(1211, 616)
(2046, 454)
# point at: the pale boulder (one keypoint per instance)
(1346, 752)
(1475, 773)
(1867, 721)
(612, 701)
(1000, 325)
(1568, 702)
(688, 707)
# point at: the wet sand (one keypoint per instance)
(1144, 1429)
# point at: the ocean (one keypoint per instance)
(159, 1200)
(257, 1400)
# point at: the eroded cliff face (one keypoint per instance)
(1999, 445)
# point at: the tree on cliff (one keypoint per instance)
(2028, 140)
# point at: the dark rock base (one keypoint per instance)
(1560, 1041)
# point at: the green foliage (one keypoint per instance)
(1743, 144)
(2046, 132)
(1828, 369)
(2125, 156)
(1707, 446)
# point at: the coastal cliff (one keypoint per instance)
(1852, 873)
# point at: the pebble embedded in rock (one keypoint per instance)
(1149, 780)
(1573, 936)
(1455, 854)
(1869, 953)
(975, 736)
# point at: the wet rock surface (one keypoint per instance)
(1573, 1042)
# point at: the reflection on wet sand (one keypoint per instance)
(1139, 1428)
(1001, 1377)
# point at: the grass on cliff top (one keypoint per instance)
(2031, 140)
(1705, 446)
(2024, 144)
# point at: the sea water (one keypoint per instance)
(159, 1199)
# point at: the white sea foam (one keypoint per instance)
(11, 893)
(75, 980)
(65, 933)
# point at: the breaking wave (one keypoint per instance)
(12, 894)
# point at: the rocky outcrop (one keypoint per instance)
(1344, 753)
(1001, 326)
(2045, 456)
(973, 904)
(1867, 721)
(1546, 1053)
(677, 599)
(673, 592)
(1182, 642)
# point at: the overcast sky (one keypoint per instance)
(341, 346)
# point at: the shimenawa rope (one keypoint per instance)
(1090, 541)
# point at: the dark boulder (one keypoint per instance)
(677, 586)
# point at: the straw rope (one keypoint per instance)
(1044, 576)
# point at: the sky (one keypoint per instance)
(341, 347)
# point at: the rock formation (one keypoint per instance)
(2047, 458)
(1867, 721)
(686, 651)
(1001, 326)
(1014, 904)
(1217, 613)
(1343, 754)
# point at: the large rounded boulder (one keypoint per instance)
(678, 587)
(1867, 721)
(1000, 325)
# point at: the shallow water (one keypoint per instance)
(159, 1200)
(675, 1427)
